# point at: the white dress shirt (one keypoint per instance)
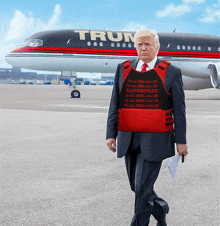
(150, 66)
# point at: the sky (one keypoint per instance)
(19, 19)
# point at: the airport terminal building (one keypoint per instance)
(7, 75)
(15, 75)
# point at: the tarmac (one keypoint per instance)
(56, 169)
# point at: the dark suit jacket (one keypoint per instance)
(154, 146)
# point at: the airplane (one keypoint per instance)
(197, 55)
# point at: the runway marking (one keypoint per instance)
(75, 106)
(48, 111)
(207, 116)
(212, 116)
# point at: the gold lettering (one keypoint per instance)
(118, 39)
(81, 34)
(98, 34)
(128, 37)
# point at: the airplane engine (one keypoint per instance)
(215, 75)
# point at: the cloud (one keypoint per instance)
(18, 25)
(21, 26)
(193, 1)
(179, 10)
(174, 11)
(212, 14)
(208, 19)
(133, 26)
(56, 17)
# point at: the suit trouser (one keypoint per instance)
(142, 175)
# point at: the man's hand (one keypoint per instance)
(182, 149)
(111, 143)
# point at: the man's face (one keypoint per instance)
(146, 48)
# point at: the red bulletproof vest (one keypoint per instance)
(144, 103)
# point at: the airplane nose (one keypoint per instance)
(11, 58)
(8, 59)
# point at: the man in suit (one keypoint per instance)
(146, 144)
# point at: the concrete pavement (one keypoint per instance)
(56, 169)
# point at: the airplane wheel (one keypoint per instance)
(75, 94)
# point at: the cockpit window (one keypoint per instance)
(33, 42)
(38, 42)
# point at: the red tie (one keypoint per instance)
(144, 67)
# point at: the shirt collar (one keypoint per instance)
(151, 64)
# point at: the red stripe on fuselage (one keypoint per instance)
(76, 51)
(119, 52)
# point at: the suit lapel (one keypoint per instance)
(157, 62)
(134, 63)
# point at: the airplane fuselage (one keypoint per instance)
(103, 50)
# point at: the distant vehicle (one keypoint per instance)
(102, 82)
(109, 83)
(40, 82)
(86, 83)
(30, 82)
(14, 82)
(47, 83)
(67, 81)
(22, 82)
(92, 83)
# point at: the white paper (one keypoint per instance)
(173, 165)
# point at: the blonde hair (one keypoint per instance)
(147, 32)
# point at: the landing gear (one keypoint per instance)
(72, 84)
(75, 94)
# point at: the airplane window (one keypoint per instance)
(33, 42)
(38, 42)
(101, 44)
(209, 48)
(184, 47)
(118, 44)
(112, 44)
(89, 43)
(129, 45)
(188, 47)
(194, 48)
(124, 45)
(199, 47)
(218, 48)
(178, 47)
(95, 43)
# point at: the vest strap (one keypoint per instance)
(161, 69)
(126, 69)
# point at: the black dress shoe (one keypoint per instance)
(162, 220)
(160, 216)
(161, 224)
